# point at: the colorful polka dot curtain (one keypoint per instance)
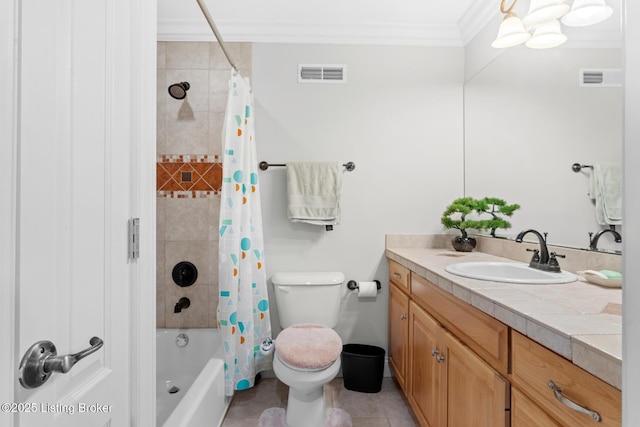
(243, 307)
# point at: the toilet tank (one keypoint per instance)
(308, 297)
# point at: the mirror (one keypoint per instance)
(527, 121)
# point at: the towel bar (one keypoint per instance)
(265, 165)
(577, 167)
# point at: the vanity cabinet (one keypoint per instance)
(460, 367)
(449, 385)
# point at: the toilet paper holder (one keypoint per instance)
(353, 285)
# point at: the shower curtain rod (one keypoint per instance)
(216, 33)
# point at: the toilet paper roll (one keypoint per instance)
(367, 289)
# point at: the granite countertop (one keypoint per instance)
(580, 321)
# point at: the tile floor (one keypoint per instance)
(387, 408)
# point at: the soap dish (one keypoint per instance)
(599, 280)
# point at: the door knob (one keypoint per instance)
(42, 360)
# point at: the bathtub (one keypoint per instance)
(189, 378)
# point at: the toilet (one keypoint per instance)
(307, 350)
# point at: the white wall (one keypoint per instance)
(399, 118)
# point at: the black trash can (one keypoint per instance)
(362, 367)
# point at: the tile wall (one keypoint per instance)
(189, 174)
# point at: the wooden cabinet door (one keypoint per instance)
(476, 394)
(525, 413)
(398, 333)
(427, 388)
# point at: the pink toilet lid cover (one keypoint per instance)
(308, 346)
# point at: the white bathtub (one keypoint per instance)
(197, 371)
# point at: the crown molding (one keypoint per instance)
(261, 32)
(476, 18)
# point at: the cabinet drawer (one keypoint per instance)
(525, 413)
(482, 333)
(534, 366)
(399, 275)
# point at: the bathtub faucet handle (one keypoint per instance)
(182, 304)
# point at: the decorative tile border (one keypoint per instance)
(188, 176)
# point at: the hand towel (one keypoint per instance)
(607, 189)
(313, 192)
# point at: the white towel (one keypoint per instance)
(313, 192)
(606, 189)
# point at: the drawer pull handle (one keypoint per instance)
(557, 391)
(397, 275)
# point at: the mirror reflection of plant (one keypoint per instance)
(466, 206)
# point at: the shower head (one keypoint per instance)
(179, 90)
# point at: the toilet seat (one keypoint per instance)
(308, 347)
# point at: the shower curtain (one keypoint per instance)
(243, 306)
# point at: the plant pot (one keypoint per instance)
(463, 244)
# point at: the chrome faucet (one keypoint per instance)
(182, 304)
(542, 259)
(593, 242)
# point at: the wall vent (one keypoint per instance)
(313, 73)
(605, 77)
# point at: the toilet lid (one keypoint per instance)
(308, 346)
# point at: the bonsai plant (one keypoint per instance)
(456, 215)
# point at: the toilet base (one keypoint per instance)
(305, 408)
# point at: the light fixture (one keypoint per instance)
(587, 12)
(542, 21)
(511, 31)
(541, 11)
(547, 35)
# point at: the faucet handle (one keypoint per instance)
(535, 259)
(553, 265)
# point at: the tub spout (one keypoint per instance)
(182, 304)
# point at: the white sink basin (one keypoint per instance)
(509, 272)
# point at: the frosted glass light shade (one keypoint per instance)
(544, 10)
(511, 32)
(547, 35)
(587, 12)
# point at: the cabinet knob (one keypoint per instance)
(439, 358)
(403, 317)
(434, 352)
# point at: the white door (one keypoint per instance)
(72, 171)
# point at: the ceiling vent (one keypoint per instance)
(605, 77)
(308, 73)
